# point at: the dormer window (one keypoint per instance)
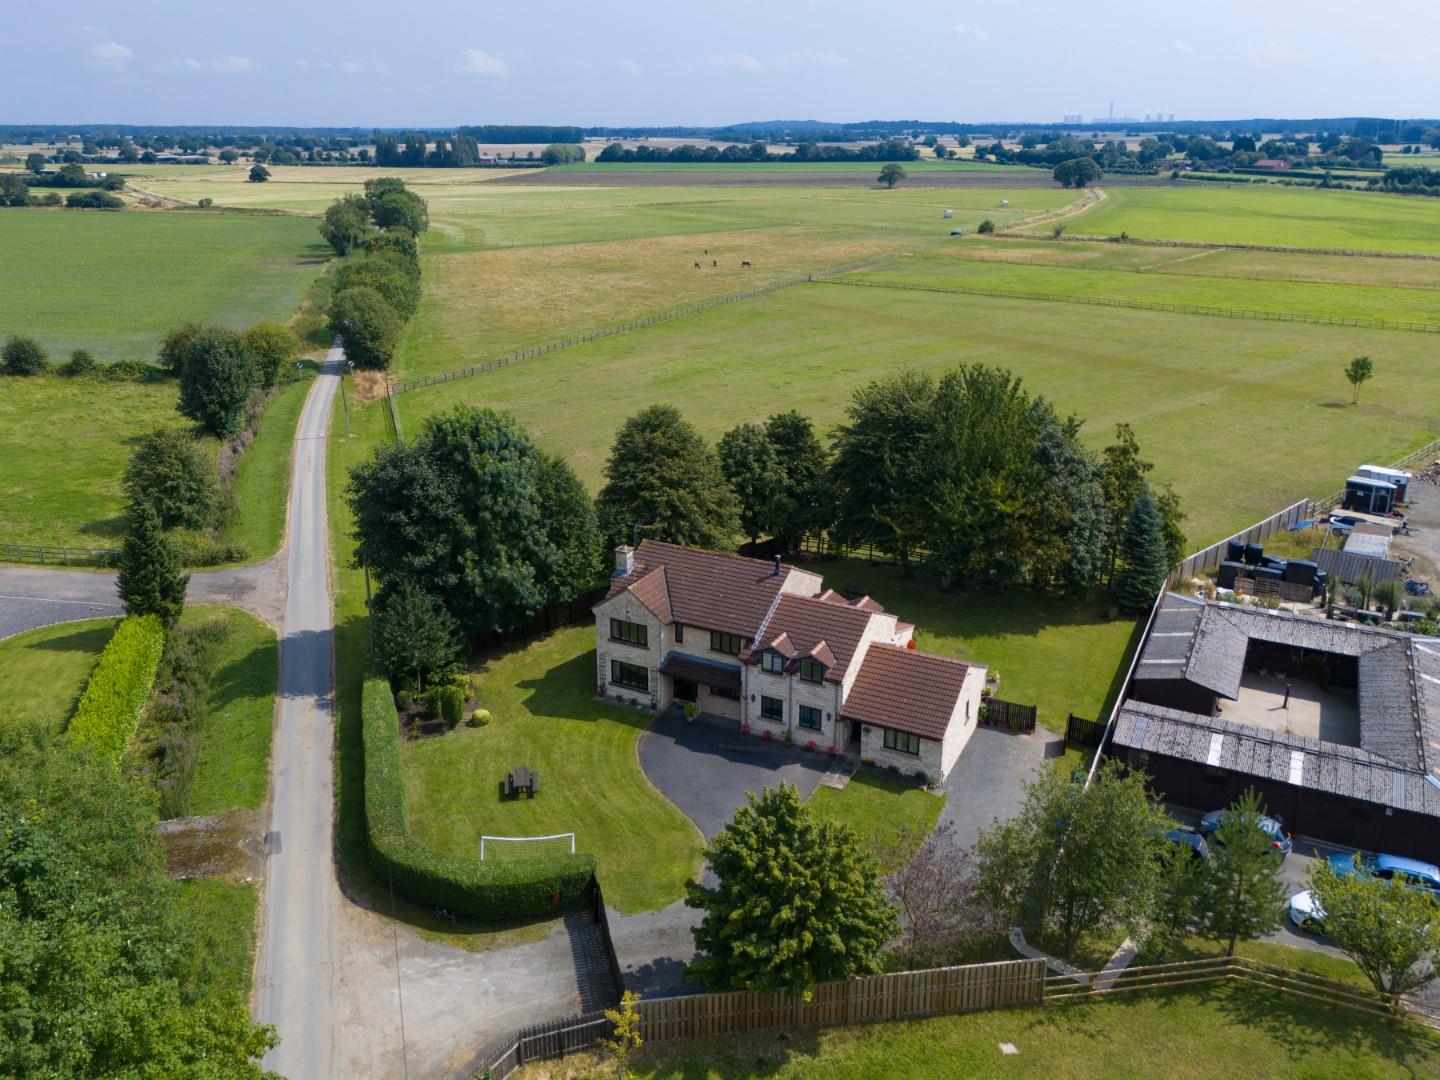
(812, 670)
(773, 662)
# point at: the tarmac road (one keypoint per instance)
(296, 961)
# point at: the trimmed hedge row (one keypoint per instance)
(109, 708)
(489, 891)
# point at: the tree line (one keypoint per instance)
(376, 288)
(889, 150)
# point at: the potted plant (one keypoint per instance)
(744, 727)
(789, 737)
(690, 711)
(810, 745)
(600, 689)
(832, 750)
(765, 734)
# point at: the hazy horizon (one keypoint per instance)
(655, 64)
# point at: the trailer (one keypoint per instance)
(1369, 496)
(1398, 477)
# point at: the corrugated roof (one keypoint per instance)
(906, 690)
(1387, 705)
(1349, 567)
(708, 589)
(1325, 766)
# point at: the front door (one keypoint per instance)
(685, 690)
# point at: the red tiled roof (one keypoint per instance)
(809, 621)
(653, 590)
(906, 690)
(708, 589)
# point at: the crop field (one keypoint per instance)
(114, 283)
(1266, 214)
(1222, 406)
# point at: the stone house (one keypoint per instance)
(764, 645)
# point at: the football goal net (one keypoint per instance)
(521, 847)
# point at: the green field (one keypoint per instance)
(1213, 1033)
(1265, 214)
(1204, 394)
(115, 283)
(42, 672)
(233, 759)
(67, 442)
(860, 168)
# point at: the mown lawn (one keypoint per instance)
(891, 817)
(233, 761)
(1264, 214)
(114, 283)
(1211, 1033)
(42, 672)
(1064, 655)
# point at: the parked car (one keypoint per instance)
(1343, 523)
(1305, 909)
(1274, 827)
(1194, 841)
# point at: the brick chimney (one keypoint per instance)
(624, 560)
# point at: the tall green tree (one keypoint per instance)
(802, 504)
(891, 174)
(1357, 372)
(1244, 894)
(107, 973)
(1391, 931)
(460, 512)
(400, 289)
(749, 464)
(169, 473)
(346, 224)
(880, 472)
(259, 173)
(1122, 475)
(797, 901)
(1143, 566)
(414, 634)
(175, 347)
(150, 580)
(663, 483)
(35, 162)
(571, 529)
(1172, 524)
(1076, 858)
(369, 326)
(216, 380)
(1077, 172)
(23, 356)
(271, 347)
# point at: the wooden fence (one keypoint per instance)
(1426, 455)
(1151, 305)
(902, 995)
(392, 417)
(58, 555)
(1008, 715)
(1082, 732)
(640, 323)
(1211, 557)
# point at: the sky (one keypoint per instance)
(437, 63)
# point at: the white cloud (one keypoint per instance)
(731, 62)
(1181, 46)
(110, 54)
(814, 58)
(1274, 53)
(354, 67)
(630, 67)
(970, 30)
(475, 62)
(219, 65)
(89, 28)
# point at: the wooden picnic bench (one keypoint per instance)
(522, 778)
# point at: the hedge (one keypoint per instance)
(490, 891)
(109, 708)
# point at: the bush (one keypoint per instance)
(206, 203)
(93, 200)
(109, 708)
(986, 226)
(81, 362)
(169, 471)
(23, 356)
(450, 703)
(480, 717)
(487, 891)
(122, 370)
(271, 347)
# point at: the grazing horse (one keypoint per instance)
(744, 263)
(714, 262)
(697, 266)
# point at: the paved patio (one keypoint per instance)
(1312, 712)
(985, 783)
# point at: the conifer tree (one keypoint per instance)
(151, 581)
(1143, 554)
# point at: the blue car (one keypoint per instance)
(1274, 827)
(1411, 872)
(1191, 840)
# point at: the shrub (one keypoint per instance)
(109, 708)
(93, 200)
(206, 203)
(122, 370)
(169, 471)
(450, 703)
(986, 226)
(23, 356)
(487, 891)
(81, 362)
(921, 775)
(404, 699)
(270, 346)
(480, 717)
